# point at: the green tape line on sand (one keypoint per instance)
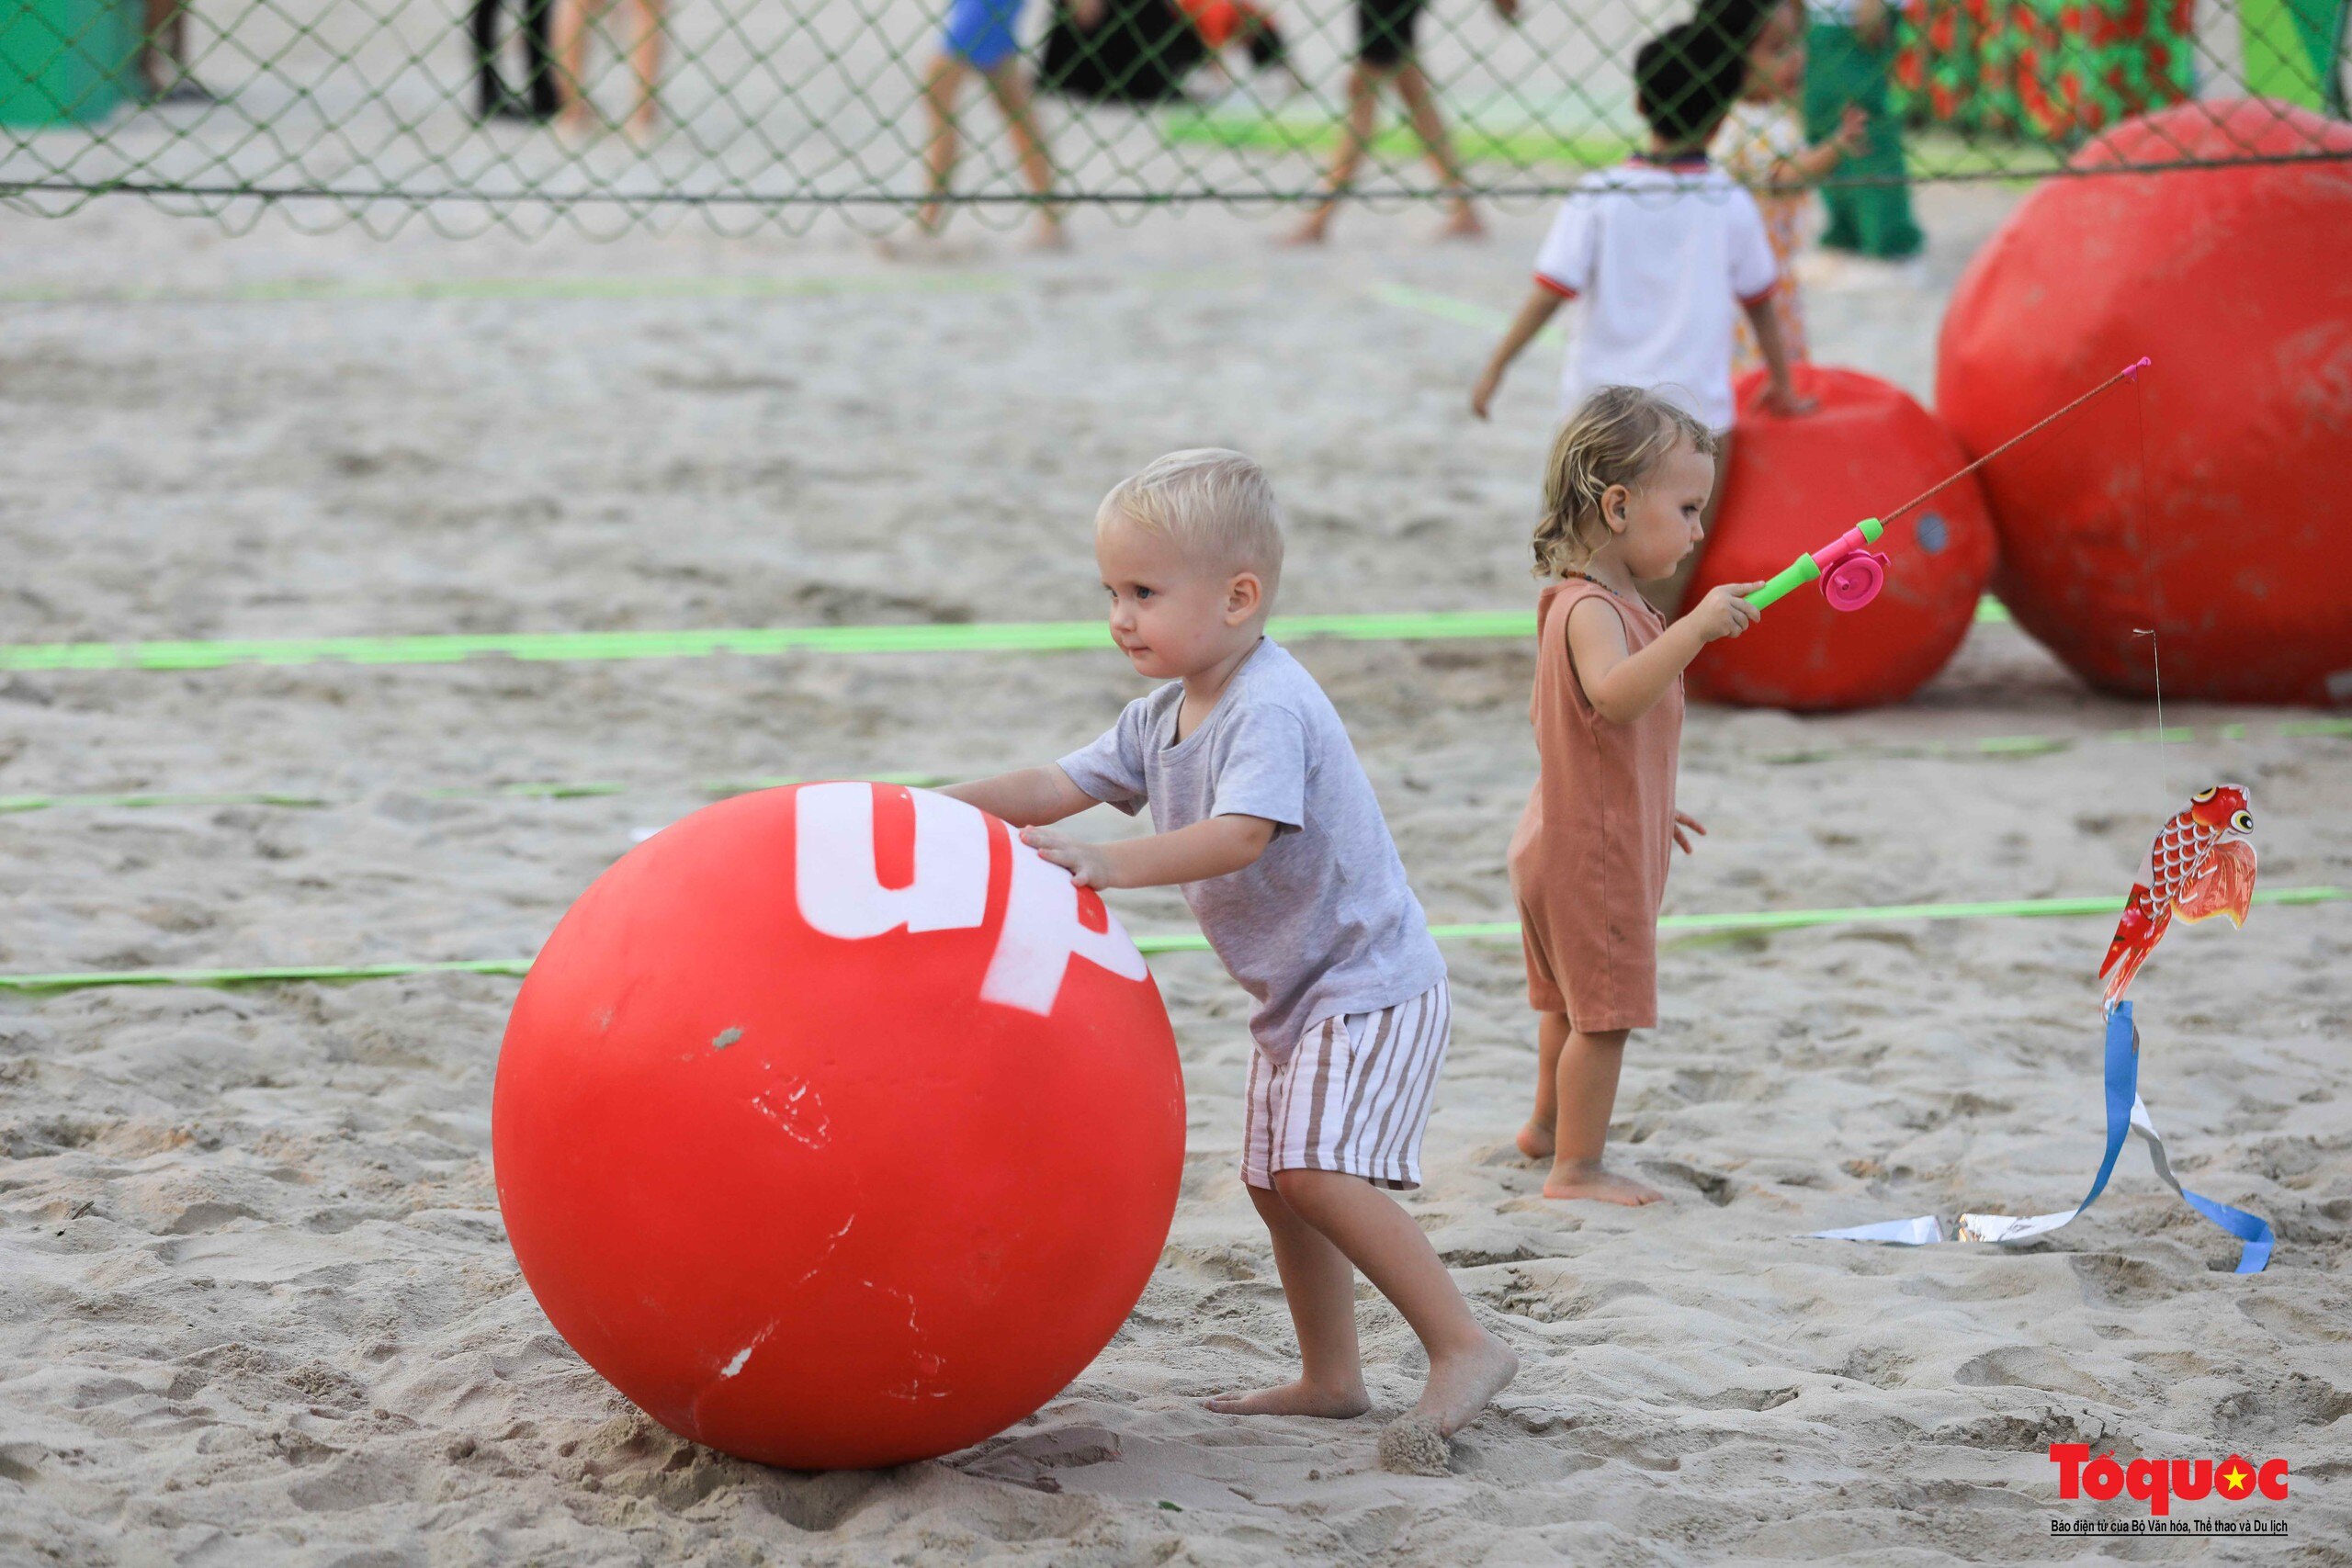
(1474, 142)
(985, 636)
(1189, 941)
(278, 974)
(981, 637)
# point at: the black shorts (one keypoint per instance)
(1384, 30)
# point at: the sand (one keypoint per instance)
(256, 1302)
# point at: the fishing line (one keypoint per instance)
(2129, 373)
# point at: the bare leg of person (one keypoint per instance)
(1355, 135)
(1009, 86)
(1420, 106)
(645, 62)
(941, 87)
(1319, 1285)
(1589, 1068)
(1539, 1138)
(572, 20)
(1666, 595)
(1468, 1366)
(162, 44)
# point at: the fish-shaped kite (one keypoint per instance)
(2200, 865)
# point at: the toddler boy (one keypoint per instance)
(1265, 817)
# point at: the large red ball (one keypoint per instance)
(2235, 543)
(1795, 485)
(836, 1128)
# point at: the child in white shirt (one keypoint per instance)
(1667, 251)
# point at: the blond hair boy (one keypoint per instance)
(1266, 821)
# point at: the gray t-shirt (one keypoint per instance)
(1321, 925)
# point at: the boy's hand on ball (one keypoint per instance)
(1087, 865)
(1724, 611)
(1684, 821)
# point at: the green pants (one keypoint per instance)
(1874, 220)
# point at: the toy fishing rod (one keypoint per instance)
(1851, 575)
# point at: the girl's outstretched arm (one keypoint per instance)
(1541, 303)
(1622, 685)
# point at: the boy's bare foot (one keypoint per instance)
(1461, 1384)
(1313, 232)
(1298, 1399)
(1049, 235)
(1590, 1179)
(1536, 1141)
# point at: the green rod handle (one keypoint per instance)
(1793, 576)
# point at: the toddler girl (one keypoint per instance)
(1627, 483)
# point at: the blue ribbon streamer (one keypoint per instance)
(2122, 1094)
(2125, 1115)
(2122, 1089)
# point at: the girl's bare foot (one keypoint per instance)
(1461, 1383)
(1314, 230)
(1298, 1399)
(1050, 235)
(1589, 1178)
(1536, 1140)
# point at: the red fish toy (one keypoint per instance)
(2200, 865)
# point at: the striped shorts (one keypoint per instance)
(1353, 1096)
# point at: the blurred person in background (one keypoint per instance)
(496, 99)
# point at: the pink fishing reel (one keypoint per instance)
(1852, 574)
(1855, 580)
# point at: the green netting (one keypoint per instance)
(777, 110)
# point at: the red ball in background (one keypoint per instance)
(2236, 543)
(1795, 485)
(836, 1128)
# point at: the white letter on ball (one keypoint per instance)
(1042, 934)
(840, 891)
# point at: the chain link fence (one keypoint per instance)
(520, 114)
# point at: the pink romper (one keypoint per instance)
(1588, 864)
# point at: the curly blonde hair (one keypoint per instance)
(1617, 437)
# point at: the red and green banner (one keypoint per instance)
(2051, 69)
